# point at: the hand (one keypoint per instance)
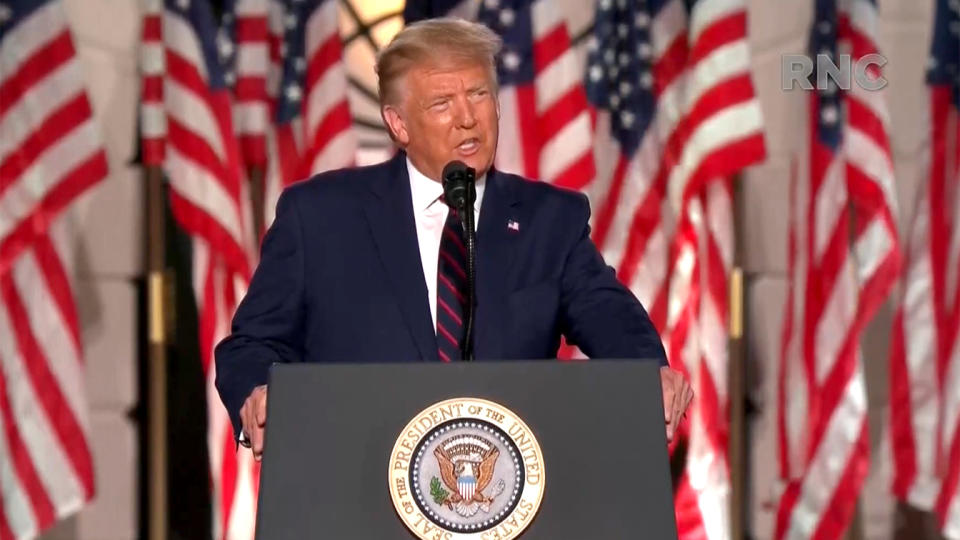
(253, 417)
(677, 395)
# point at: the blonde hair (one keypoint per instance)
(444, 41)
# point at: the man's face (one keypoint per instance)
(446, 114)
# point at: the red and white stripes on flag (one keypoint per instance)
(311, 124)
(251, 39)
(274, 175)
(153, 116)
(925, 347)
(235, 476)
(706, 126)
(719, 134)
(187, 120)
(697, 345)
(545, 124)
(288, 112)
(663, 213)
(50, 154)
(843, 259)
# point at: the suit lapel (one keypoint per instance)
(496, 242)
(390, 214)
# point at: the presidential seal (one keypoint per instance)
(466, 468)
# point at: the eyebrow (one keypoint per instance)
(448, 95)
(429, 100)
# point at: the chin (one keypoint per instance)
(480, 163)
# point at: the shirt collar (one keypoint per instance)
(425, 192)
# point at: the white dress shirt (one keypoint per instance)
(430, 215)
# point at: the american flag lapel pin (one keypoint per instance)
(513, 225)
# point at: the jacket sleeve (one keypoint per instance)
(268, 324)
(599, 314)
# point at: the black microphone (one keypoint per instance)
(459, 185)
(460, 192)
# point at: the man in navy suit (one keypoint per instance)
(365, 264)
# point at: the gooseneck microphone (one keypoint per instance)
(460, 192)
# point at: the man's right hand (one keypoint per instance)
(253, 417)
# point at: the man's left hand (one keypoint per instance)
(677, 395)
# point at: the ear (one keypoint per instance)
(395, 124)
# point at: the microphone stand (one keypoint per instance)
(460, 190)
(470, 234)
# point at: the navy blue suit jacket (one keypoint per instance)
(340, 280)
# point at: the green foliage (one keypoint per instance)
(437, 492)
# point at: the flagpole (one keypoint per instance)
(157, 366)
(257, 189)
(855, 529)
(736, 374)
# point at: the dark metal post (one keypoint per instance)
(736, 373)
(157, 337)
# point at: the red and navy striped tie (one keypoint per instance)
(451, 290)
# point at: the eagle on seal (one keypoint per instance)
(462, 473)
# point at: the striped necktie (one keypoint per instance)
(451, 290)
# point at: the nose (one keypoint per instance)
(467, 117)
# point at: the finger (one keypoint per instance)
(678, 414)
(677, 406)
(245, 420)
(689, 398)
(261, 416)
(678, 383)
(248, 412)
(682, 395)
(667, 405)
(257, 445)
(667, 388)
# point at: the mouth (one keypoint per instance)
(469, 147)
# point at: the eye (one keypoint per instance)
(440, 105)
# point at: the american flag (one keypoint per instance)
(676, 117)
(545, 130)
(153, 116)
(843, 257)
(311, 125)
(676, 109)
(268, 75)
(50, 154)
(187, 128)
(925, 349)
(243, 42)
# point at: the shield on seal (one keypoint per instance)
(466, 485)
